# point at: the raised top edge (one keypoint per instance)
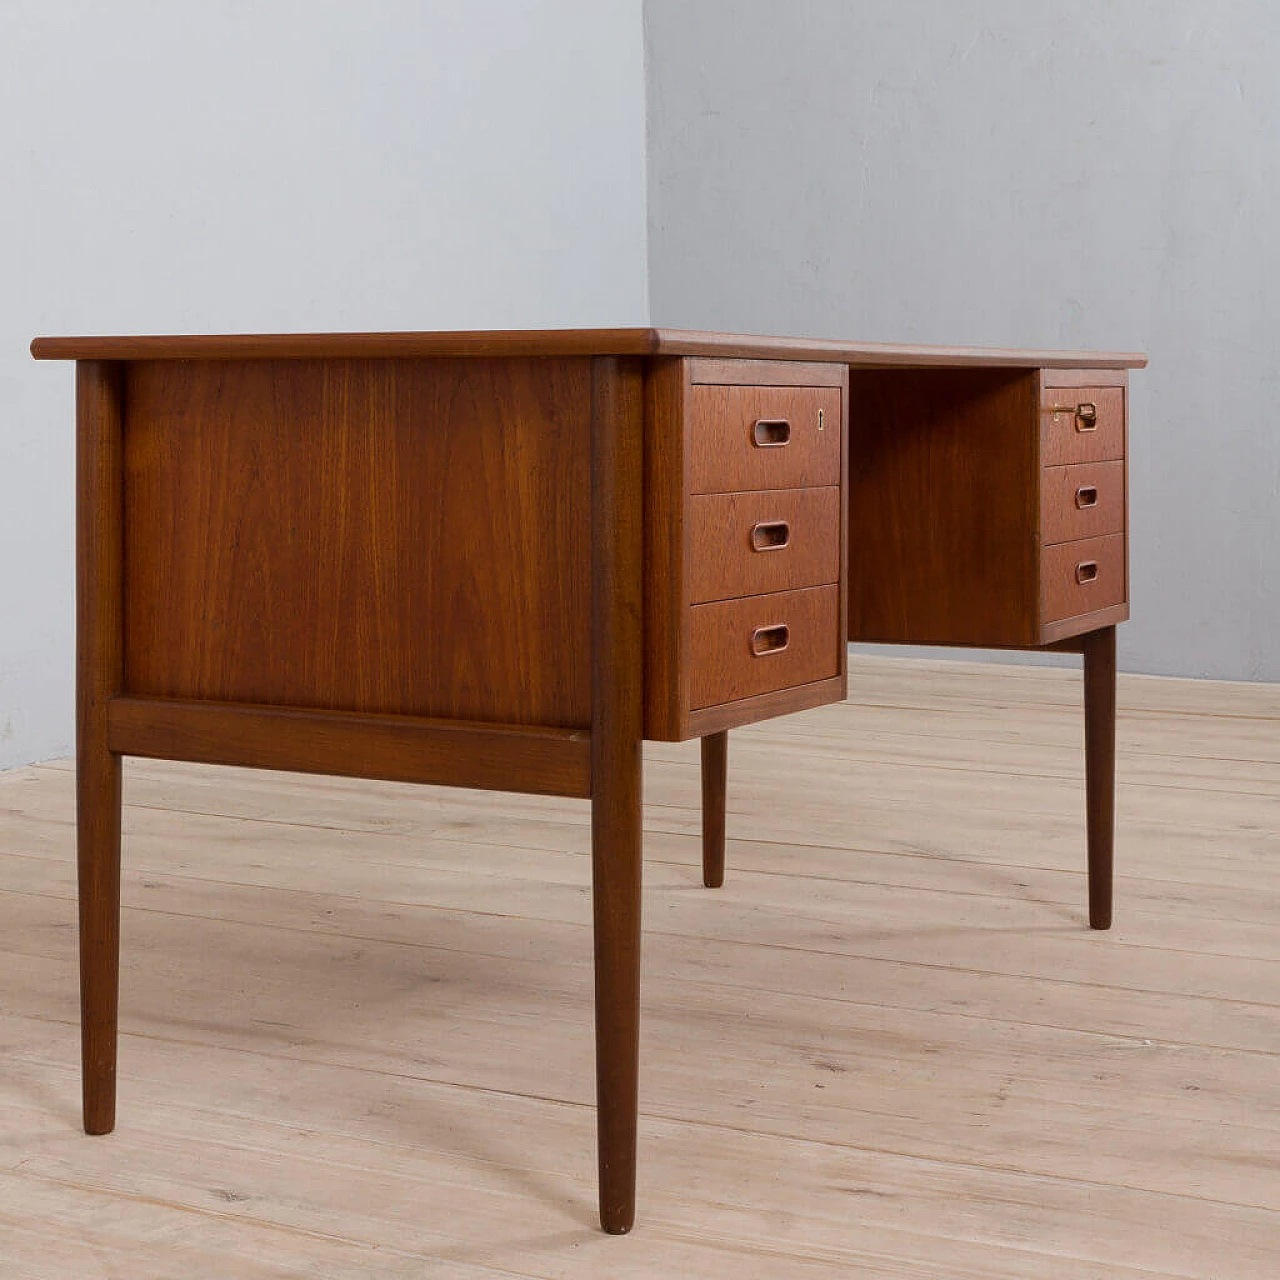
(566, 342)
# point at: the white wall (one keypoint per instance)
(1102, 173)
(285, 165)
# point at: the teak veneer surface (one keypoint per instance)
(943, 505)
(564, 342)
(724, 562)
(1063, 443)
(378, 536)
(1064, 492)
(723, 667)
(724, 457)
(1064, 593)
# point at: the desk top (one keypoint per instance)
(568, 342)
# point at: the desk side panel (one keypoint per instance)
(405, 537)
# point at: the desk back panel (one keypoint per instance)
(943, 486)
(373, 535)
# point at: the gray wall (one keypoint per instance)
(1101, 174)
(294, 165)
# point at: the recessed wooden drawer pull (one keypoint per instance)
(1086, 571)
(770, 535)
(1086, 496)
(770, 433)
(767, 640)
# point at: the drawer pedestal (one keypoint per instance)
(987, 508)
(745, 598)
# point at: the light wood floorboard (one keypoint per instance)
(356, 1024)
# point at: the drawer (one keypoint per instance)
(748, 437)
(739, 648)
(1081, 501)
(1079, 577)
(1081, 424)
(745, 544)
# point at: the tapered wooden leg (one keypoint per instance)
(616, 738)
(99, 666)
(98, 864)
(1100, 767)
(615, 847)
(715, 778)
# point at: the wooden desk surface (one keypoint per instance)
(570, 342)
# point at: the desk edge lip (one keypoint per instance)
(498, 343)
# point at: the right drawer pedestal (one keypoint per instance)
(987, 508)
(1083, 507)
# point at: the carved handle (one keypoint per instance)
(1086, 571)
(771, 639)
(770, 535)
(770, 433)
(1086, 496)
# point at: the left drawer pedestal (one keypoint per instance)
(746, 542)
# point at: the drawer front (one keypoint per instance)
(745, 544)
(1082, 501)
(1081, 424)
(745, 438)
(1079, 577)
(739, 648)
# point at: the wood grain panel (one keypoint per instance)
(723, 666)
(765, 706)
(1082, 501)
(666, 617)
(407, 537)
(1065, 437)
(1081, 577)
(725, 456)
(943, 507)
(743, 544)
(1085, 377)
(766, 373)
(1069, 634)
(455, 753)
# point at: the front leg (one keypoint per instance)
(617, 731)
(615, 862)
(99, 675)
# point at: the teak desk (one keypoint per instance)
(503, 560)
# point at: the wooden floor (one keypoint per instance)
(356, 1017)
